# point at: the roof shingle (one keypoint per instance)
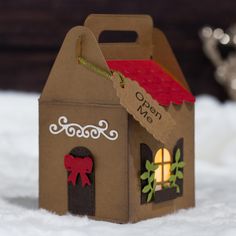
(154, 79)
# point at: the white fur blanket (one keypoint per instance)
(215, 212)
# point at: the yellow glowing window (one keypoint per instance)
(162, 173)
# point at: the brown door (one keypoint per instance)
(81, 181)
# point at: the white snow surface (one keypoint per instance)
(215, 211)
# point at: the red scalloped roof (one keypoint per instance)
(154, 79)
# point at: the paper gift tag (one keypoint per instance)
(152, 116)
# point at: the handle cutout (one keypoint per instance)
(118, 36)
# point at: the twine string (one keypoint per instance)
(108, 74)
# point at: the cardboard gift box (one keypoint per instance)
(116, 125)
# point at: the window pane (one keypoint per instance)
(166, 172)
(158, 156)
(166, 155)
(158, 174)
(158, 171)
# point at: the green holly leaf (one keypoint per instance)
(172, 178)
(144, 176)
(149, 198)
(146, 189)
(177, 188)
(181, 164)
(177, 155)
(151, 178)
(165, 186)
(154, 185)
(173, 166)
(154, 166)
(180, 175)
(148, 165)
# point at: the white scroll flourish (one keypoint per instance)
(74, 129)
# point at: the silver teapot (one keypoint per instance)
(225, 72)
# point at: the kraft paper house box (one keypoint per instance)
(116, 125)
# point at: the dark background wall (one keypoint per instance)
(31, 33)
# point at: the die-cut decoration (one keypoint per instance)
(87, 131)
(78, 166)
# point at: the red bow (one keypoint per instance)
(77, 166)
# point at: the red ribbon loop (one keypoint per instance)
(75, 166)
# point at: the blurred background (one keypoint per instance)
(31, 33)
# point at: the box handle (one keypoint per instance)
(141, 24)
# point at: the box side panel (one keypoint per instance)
(187, 127)
(71, 81)
(125, 51)
(52, 193)
(184, 117)
(110, 157)
(163, 54)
